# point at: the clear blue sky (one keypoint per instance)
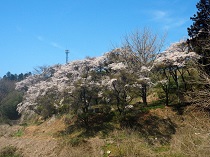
(37, 32)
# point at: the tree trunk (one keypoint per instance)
(144, 94)
(167, 97)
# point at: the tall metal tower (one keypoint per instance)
(67, 52)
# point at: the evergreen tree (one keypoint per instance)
(200, 21)
(199, 33)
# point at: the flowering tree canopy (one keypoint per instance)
(93, 75)
(172, 64)
(176, 55)
(108, 79)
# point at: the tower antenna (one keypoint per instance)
(67, 52)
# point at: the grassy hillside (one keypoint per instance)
(159, 132)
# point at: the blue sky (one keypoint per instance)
(37, 32)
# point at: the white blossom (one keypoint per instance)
(62, 78)
(176, 55)
(145, 69)
(163, 82)
(129, 107)
(66, 78)
(117, 66)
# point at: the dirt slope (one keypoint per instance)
(36, 141)
(41, 141)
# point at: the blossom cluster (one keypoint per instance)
(64, 78)
(176, 55)
(110, 71)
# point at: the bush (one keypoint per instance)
(9, 151)
(46, 105)
(46, 111)
(9, 104)
(76, 141)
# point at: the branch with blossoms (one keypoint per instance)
(172, 64)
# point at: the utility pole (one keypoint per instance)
(67, 52)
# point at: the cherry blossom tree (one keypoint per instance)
(138, 52)
(122, 89)
(81, 85)
(61, 79)
(171, 64)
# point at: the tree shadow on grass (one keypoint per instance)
(153, 128)
(98, 124)
(179, 108)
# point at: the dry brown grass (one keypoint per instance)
(193, 135)
(192, 138)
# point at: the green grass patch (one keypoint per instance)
(157, 104)
(19, 133)
(162, 149)
(76, 141)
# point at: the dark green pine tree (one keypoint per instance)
(199, 33)
(200, 21)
